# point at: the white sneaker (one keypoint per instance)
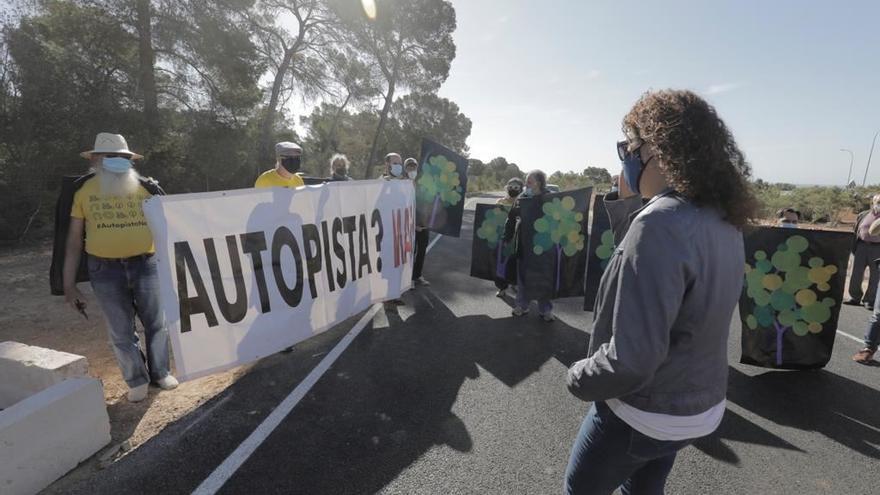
(139, 393)
(548, 316)
(421, 281)
(168, 383)
(520, 311)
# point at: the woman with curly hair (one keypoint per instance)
(657, 366)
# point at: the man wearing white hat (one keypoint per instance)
(288, 158)
(108, 215)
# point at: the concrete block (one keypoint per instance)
(26, 370)
(48, 434)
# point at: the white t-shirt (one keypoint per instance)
(666, 426)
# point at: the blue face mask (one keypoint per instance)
(116, 165)
(527, 192)
(632, 171)
(396, 169)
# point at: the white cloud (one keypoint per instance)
(717, 89)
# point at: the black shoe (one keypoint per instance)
(852, 302)
(869, 306)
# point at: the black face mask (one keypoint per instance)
(291, 163)
(513, 192)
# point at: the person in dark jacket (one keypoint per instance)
(656, 369)
(514, 188)
(411, 170)
(866, 251)
(536, 185)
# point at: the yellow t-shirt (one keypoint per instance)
(115, 226)
(270, 178)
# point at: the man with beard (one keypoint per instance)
(288, 158)
(108, 214)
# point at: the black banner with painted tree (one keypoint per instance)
(440, 189)
(554, 237)
(791, 296)
(491, 257)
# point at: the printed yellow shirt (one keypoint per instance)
(270, 178)
(115, 226)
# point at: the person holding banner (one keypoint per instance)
(339, 168)
(657, 366)
(394, 171)
(536, 185)
(288, 157)
(108, 215)
(514, 188)
(411, 167)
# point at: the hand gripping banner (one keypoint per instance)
(791, 296)
(244, 274)
(440, 189)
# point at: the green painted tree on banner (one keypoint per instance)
(439, 182)
(492, 231)
(560, 227)
(785, 292)
(605, 248)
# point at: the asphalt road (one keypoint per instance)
(451, 394)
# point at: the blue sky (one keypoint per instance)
(546, 83)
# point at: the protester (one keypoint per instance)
(872, 336)
(514, 188)
(657, 366)
(393, 167)
(394, 171)
(288, 157)
(866, 249)
(411, 167)
(339, 168)
(789, 218)
(107, 215)
(536, 185)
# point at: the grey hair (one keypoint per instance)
(540, 176)
(338, 157)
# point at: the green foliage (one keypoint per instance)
(816, 204)
(784, 291)
(439, 179)
(560, 226)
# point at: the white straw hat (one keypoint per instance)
(106, 142)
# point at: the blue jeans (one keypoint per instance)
(872, 336)
(544, 305)
(609, 454)
(125, 289)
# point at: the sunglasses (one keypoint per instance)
(623, 150)
(116, 155)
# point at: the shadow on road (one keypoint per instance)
(388, 404)
(838, 408)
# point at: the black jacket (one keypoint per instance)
(70, 184)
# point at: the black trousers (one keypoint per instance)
(422, 237)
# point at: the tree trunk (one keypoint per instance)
(266, 152)
(332, 136)
(146, 72)
(382, 118)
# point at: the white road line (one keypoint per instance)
(860, 341)
(231, 464)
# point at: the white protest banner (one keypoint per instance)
(244, 274)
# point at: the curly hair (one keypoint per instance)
(698, 155)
